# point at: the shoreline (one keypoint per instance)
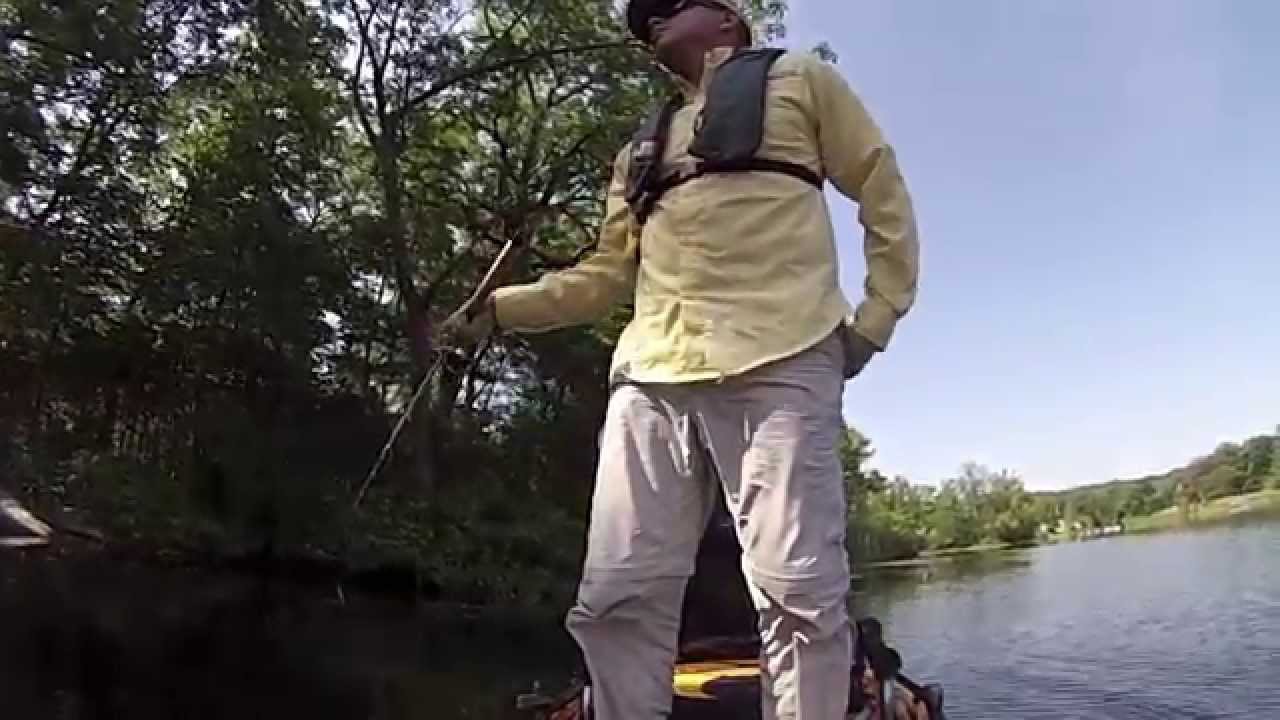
(1217, 511)
(311, 566)
(930, 557)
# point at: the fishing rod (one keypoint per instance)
(487, 285)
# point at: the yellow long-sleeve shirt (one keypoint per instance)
(738, 270)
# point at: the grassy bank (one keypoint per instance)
(1266, 502)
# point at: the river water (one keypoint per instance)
(1178, 625)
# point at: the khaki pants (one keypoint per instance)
(769, 437)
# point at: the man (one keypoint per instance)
(731, 369)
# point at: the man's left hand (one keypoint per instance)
(858, 351)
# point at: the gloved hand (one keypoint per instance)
(470, 324)
(858, 351)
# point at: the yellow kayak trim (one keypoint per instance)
(691, 679)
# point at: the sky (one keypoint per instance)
(1098, 190)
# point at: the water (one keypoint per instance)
(1167, 626)
(88, 638)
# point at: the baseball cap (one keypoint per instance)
(639, 12)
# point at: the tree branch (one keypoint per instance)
(516, 19)
(450, 267)
(356, 99)
(558, 171)
(367, 45)
(505, 35)
(582, 228)
(460, 77)
(86, 59)
(555, 102)
(391, 35)
(81, 157)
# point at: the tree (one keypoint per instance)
(1256, 462)
(1189, 495)
(474, 121)
(218, 221)
(884, 517)
(1144, 500)
(954, 519)
(860, 481)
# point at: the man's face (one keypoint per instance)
(685, 22)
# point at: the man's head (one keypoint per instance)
(672, 27)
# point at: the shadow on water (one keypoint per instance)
(881, 585)
(80, 638)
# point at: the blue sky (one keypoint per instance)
(1098, 189)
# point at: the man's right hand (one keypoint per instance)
(469, 325)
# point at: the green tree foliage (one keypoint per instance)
(891, 520)
(881, 522)
(896, 519)
(227, 230)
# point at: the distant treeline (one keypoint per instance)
(892, 519)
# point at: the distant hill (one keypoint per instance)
(1231, 469)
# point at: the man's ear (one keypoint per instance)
(729, 22)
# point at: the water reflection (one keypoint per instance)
(880, 586)
(88, 639)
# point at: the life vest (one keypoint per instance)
(727, 138)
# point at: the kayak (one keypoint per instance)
(728, 688)
(717, 671)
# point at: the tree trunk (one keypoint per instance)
(419, 436)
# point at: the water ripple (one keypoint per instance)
(1177, 626)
